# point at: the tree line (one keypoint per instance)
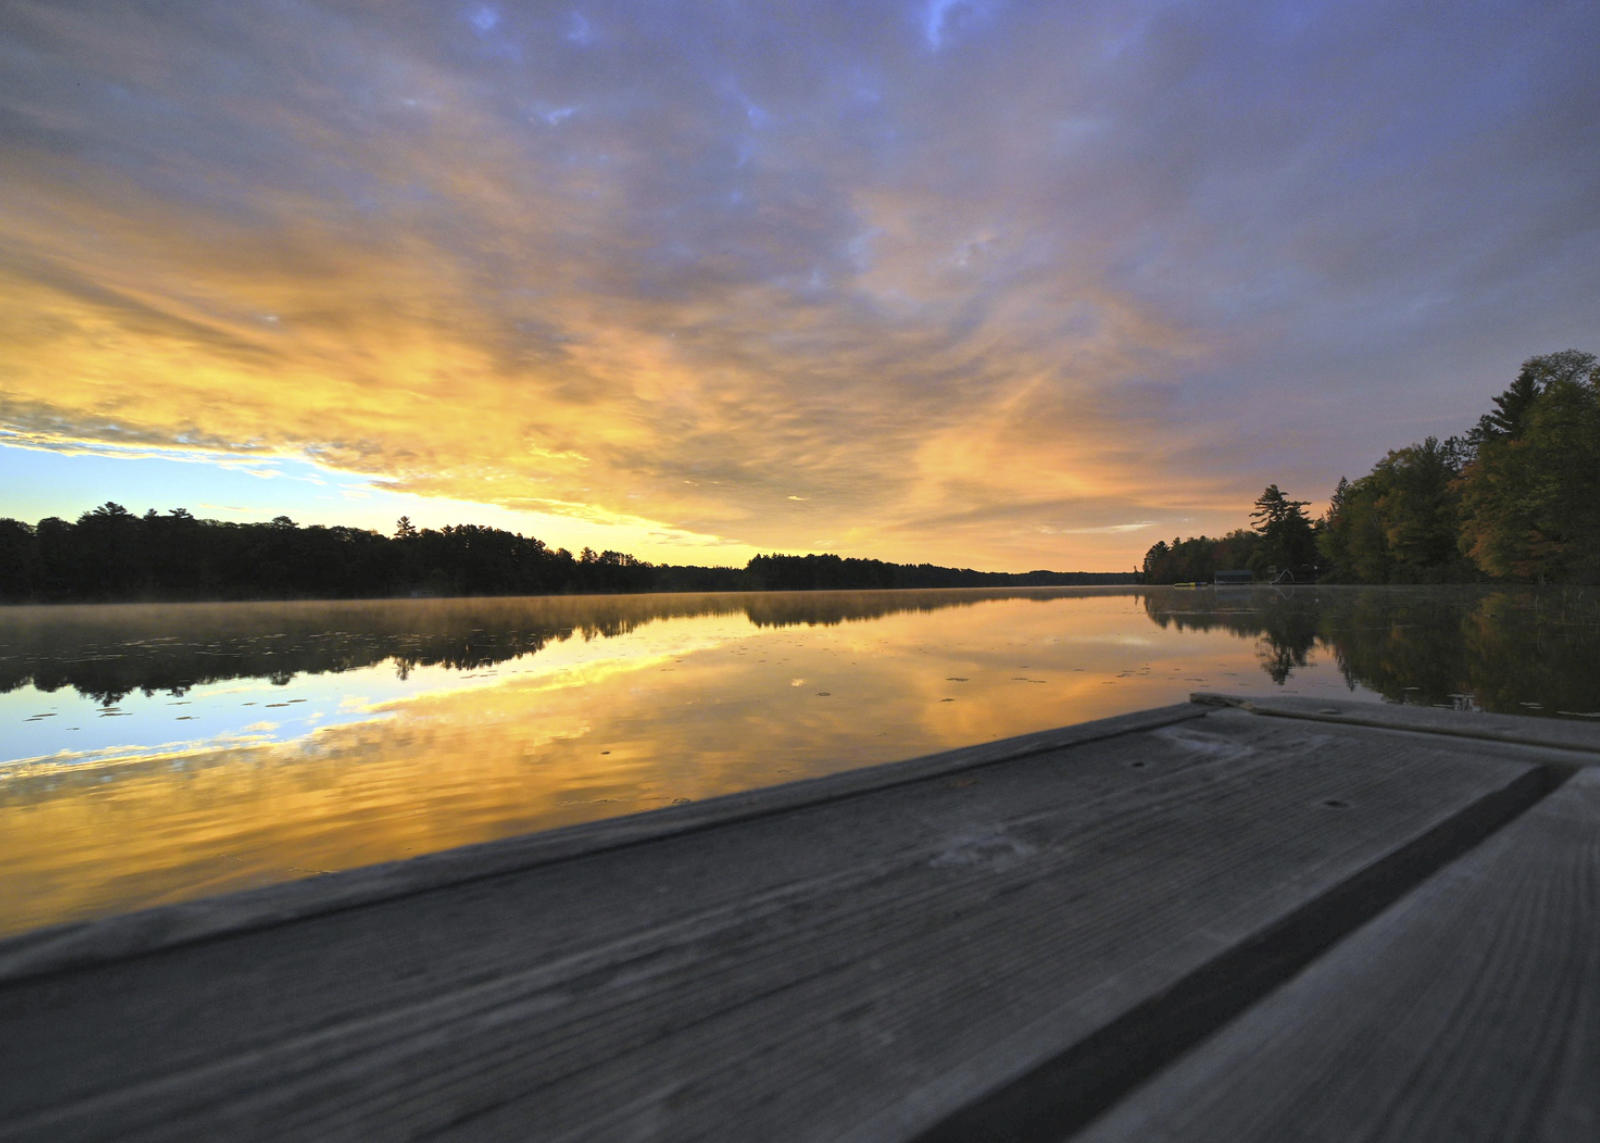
(111, 554)
(1281, 543)
(1516, 498)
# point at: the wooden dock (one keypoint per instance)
(1269, 921)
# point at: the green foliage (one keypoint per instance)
(1199, 558)
(1518, 498)
(1530, 499)
(1512, 408)
(1283, 540)
(1400, 522)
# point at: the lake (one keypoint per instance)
(154, 753)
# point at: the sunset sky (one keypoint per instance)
(995, 284)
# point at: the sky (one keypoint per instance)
(991, 284)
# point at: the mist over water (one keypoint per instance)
(157, 753)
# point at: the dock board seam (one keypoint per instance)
(1584, 755)
(1058, 1097)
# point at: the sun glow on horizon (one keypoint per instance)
(954, 282)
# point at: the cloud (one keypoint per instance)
(945, 282)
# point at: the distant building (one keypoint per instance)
(1234, 576)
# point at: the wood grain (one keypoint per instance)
(1470, 1010)
(873, 964)
(134, 934)
(1581, 737)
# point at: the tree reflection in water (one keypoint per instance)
(108, 651)
(707, 695)
(1525, 650)
(1513, 650)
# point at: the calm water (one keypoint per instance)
(155, 753)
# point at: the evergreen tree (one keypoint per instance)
(1288, 541)
(1508, 420)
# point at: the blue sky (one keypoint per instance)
(1000, 284)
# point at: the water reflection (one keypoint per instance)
(1283, 623)
(110, 651)
(1521, 651)
(153, 753)
(169, 752)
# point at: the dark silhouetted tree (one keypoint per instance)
(19, 560)
(1288, 542)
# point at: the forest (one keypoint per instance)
(111, 554)
(1516, 498)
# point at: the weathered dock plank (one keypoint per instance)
(1006, 940)
(1581, 737)
(147, 931)
(1469, 1010)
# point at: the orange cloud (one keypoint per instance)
(649, 280)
